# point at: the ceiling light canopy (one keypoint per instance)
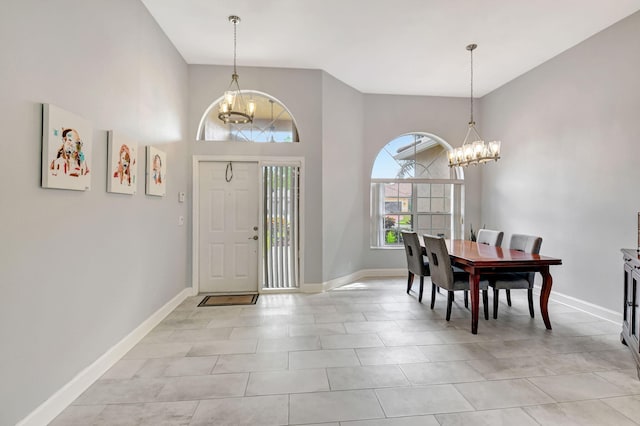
(233, 107)
(474, 149)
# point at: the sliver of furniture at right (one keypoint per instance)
(630, 335)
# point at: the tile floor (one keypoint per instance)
(366, 354)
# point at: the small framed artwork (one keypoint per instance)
(122, 165)
(66, 150)
(156, 172)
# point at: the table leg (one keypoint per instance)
(547, 282)
(474, 284)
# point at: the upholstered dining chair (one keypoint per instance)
(516, 280)
(490, 237)
(416, 262)
(446, 276)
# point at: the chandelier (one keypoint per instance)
(233, 107)
(474, 149)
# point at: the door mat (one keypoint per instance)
(230, 299)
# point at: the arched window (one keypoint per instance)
(413, 188)
(272, 122)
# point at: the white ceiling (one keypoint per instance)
(411, 47)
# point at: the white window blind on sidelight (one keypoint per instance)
(281, 226)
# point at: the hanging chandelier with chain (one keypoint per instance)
(233, 107)
(474, 149)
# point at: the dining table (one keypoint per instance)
(482, 260)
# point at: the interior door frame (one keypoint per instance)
(195, 212)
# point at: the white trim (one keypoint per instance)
(60, 400)
(348, 279)
(581, 305)
(584, 306)
(195, 208)
(419, 180)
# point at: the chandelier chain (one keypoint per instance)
(235, 26)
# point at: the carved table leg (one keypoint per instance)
(547, 282)
(474, 284)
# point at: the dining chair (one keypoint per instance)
(446, 276)
(490, 237)
(416, 263)
(516, 280)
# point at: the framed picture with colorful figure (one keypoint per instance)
(156, 172)
(122, 164)
(66, 149)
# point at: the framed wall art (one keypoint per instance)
(156, 172)
(122, 164)
(66, 150)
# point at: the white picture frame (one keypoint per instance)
(122, 164)
(66, 150)
(156, 172)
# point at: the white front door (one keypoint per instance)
(228, 228)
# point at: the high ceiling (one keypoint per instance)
(409, 47)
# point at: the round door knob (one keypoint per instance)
(255, 237)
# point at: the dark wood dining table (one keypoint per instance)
(481, 260)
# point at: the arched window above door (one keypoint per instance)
(273, 122)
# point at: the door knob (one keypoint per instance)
(255, 237)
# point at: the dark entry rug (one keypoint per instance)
(229, 299)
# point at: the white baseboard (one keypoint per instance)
(581, 305)
(48, 410)
(347, 279)
(53, 406)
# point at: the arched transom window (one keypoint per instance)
(272, 122)
(413, 188)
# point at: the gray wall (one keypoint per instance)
(80, 270)
(341, 133)
(343, 191)
(569, 168)
(386, 117)
(301, 92)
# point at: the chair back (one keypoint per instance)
(490, 237)
(415, 260)
(439, 261)
(527, 244)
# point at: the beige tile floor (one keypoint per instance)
(366, 354)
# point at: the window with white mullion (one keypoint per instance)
(426, 207)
